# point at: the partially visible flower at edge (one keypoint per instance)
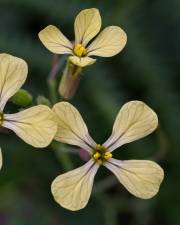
(1, 159)
(36, 125)
(87, 25)
(141, 178)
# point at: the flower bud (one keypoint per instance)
(22, 98)
(41, 100)
(70, 80)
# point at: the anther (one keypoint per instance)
(1, 118)
(107, 155)
(97, 155)
(101, 154)
(79, 50)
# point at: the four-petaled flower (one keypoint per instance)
(87, 25)
(36, 125)
(141, 178)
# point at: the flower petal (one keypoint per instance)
(135, 120)
(1, 159)
(72, 190)
(71, 127)
(82, 61)
(54, 40)
(141, 178)
(87, 25)
(13, 73)
(36, 125)
(108, 43)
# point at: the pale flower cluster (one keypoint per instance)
(39, 125)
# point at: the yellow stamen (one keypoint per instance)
(98, 146)
(107, 155)
(79, 50)
(99, 161)
(97, 155)
(1, 118)
(101, 154)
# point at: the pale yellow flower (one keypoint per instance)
(87, 25)
(141, 178)
(36, 125)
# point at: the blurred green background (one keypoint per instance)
(147, 69)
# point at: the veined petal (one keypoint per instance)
(36, 125)
(82, 61)
(72, 190)
(71, 127)
(13, 73)
(108, 43)
(141, 178)
(1, 159)
(54, 40)
(87, 25)
(135, 120)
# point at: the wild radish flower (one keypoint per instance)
(141, 178)
(87, 25)
(36, 125)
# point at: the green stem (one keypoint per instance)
(110, 209)
(52, 85)
(58, 148)
(62, 155)
(105, 184)
(52, 81)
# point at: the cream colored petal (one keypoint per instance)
(1, 159)
(141, 178)
(135, 120)
(108, 43)
(13, 73)
(54, 40)
(36, 125)
(82, 61)
(72, 190)
(87, 25)
(71, 127)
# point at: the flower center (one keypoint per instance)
(1, 118)
(79, 50)
(101, 154)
